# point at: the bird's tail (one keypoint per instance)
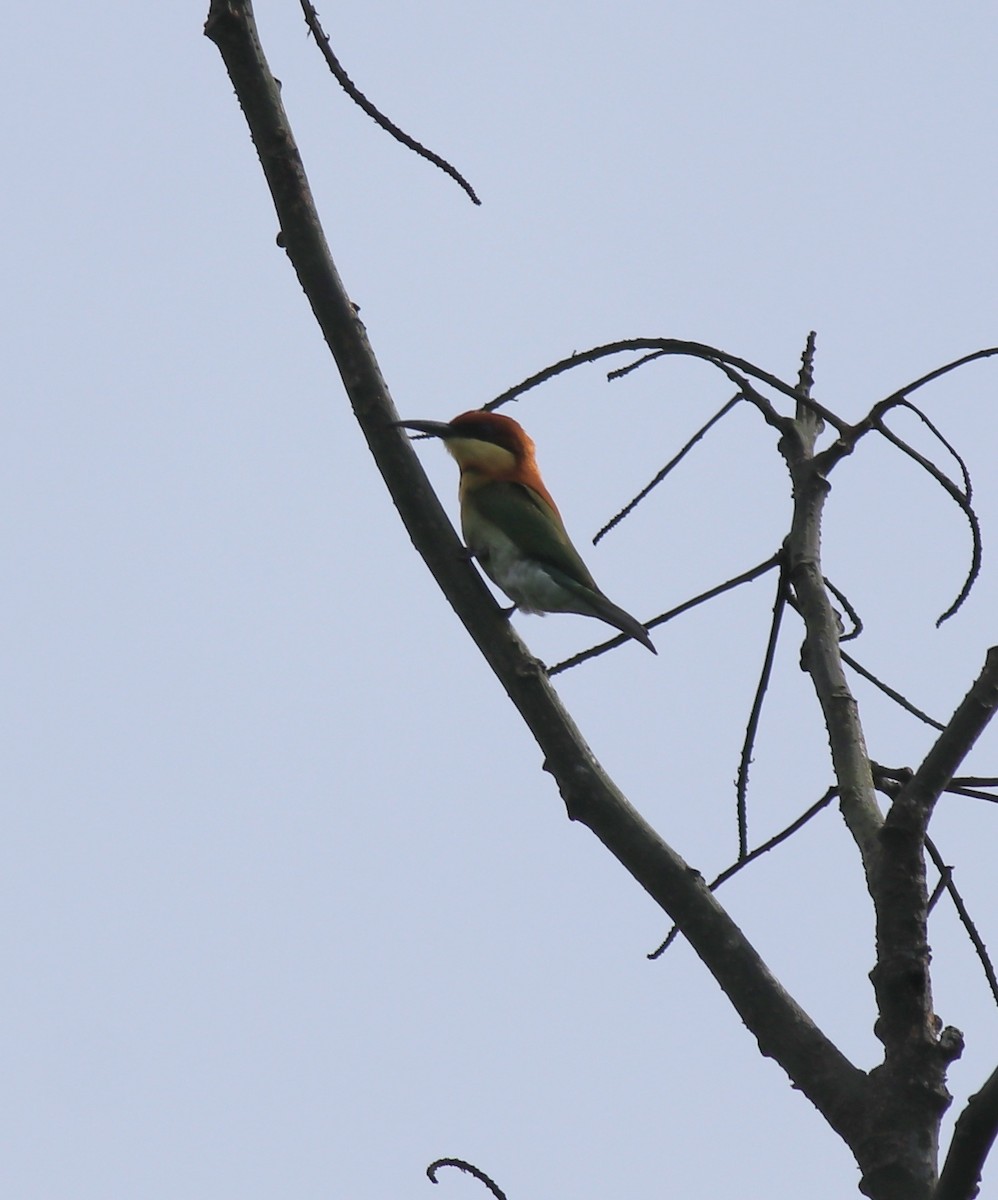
(607, 611)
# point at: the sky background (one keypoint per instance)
(287, 906)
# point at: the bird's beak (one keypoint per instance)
(438, 429)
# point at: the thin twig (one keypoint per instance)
(968, 487)
(358, 97)
(741, 786)
(899, 397)
(631, 505)
(727, 586)
(972, 786)
(851, 613)
(937, 891)
(889, 691)
(620, 372)
(978, 942)
(773, 842)
(772, 417)
(961, 501)
(850, 435)
(972, 793)
(469, 1169)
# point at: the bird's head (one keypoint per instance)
(486, 442)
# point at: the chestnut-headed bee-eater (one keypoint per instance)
(513, 527)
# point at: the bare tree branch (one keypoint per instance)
(907, 1092)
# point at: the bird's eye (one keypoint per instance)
(477, 430)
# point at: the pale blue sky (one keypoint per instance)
(287, 906)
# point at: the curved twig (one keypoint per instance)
(358, 97)
(851, 613)
(901, 394)
(663, 347)
(962, 502)
(968, 487)
(469, 1169)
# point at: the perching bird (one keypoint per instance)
(513, 527)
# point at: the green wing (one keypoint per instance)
(535, 527)
(526, 519)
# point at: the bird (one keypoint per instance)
(512, 525)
